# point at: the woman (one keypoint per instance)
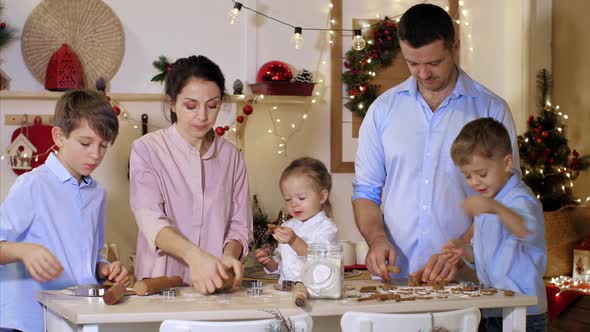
(189, 188)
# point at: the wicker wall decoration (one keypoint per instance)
(89, 27)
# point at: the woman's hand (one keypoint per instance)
(208, 272)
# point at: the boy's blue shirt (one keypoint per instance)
(505, 261)
(48, 206)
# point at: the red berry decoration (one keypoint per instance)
(117, 110)
(3, 25)
(545, 133)
(240, 119)
(248, 109)
(226, 128)
(219, 131)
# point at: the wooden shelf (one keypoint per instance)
(152, 97)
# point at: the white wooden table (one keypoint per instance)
(135, 313)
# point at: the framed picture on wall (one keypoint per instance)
(344, 122)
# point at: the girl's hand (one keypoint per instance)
(41, 264)
(115, 272)
(262, 256)
(284, 235)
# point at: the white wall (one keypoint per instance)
(182, 27)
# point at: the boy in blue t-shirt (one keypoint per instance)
(508, 246)
(52, 221)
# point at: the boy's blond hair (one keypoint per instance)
(92, 106)
(484, 137)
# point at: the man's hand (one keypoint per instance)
(41, 264)
(439, 267)
(381, 253)
(115, 272)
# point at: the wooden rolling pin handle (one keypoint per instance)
(299, 294)
(393, 269)
(155, 285)
(114, 294)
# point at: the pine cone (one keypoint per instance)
(238, 87)
(304, 76)
(101, 84)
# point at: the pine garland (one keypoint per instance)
(6, 32)
(382, 47)
(548, 165)
(163, 65)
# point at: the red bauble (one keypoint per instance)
(274, 71)
(117, 110)
(247, 109)
(3, 25)
(545, 133)
(226, 128)
(219, 131)
(240, 119)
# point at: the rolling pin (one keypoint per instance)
(155, 285)
(393, 269)
(299, 294)
(114, 294)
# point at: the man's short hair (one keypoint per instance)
(425, 23)
(92, 106)
(484, 137)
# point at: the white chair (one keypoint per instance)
(301, 323)
(464, 320)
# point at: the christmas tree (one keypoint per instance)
(304, 76)
(6, 32)
(548, 165)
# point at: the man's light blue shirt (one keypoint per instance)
(505, 261)
(48, 206)
(403, 164)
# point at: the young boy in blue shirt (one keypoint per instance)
(52, 225)
(508, 246)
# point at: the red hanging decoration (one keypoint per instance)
(28, 147)
(247, 109)
(117, 110)
(219, 131)
(64, 71)
(240, 119)
(274, 71)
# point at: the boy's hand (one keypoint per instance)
(284, 235)
(476, 205)
(455, 247)
(41, 264)
(115, 272)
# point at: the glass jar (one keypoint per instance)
(323, 272)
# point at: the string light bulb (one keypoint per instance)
(234, 12)
(297, 38)
(358, 42)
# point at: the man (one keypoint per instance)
(403, 161)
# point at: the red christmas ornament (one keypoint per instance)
(219, 131)
(117, 110)
(240, 119)
(545, 134)
(575, 153)
(247, 109)
(39, 136)
(64, 71)
(274, 71)
(530, 119)
(539, 140)
(226, 128)
(3, 25)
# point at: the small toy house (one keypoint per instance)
(20, 152)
